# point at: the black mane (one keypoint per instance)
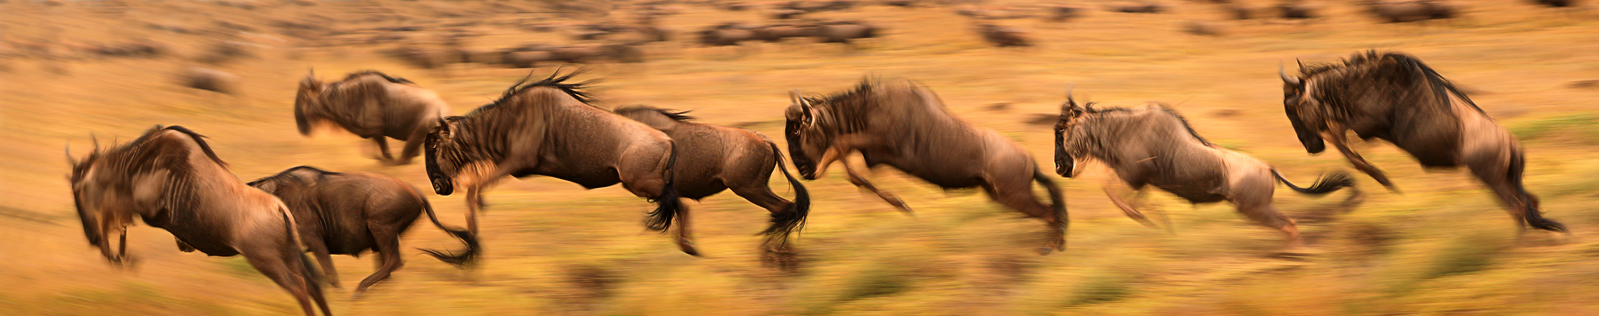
(555, 80)
(285, 174)
(679, 116)
(198, 139)
(1372, 62)
(356, 74)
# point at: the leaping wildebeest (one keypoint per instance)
(547, 127)
(372, 105)
(906, 126)
(349, 213)
(716, 158)
(172, 180)
(1153, 145)
(1397, 98)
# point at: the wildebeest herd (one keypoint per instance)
(172, 179)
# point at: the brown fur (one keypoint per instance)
(1397, 98)
(350, 213)
(717, 158)
(371, 105)
(906, 126)
(548, 128)
(1153, 145)
(172, 180)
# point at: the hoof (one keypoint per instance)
(1044, 251)
(688, 248)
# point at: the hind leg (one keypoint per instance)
(387, 244)
(413, 146)
(1494, 172)
(1261, 212)
(383, 147)
(858, 181)
(1017, 194)
(785, 218)
(283, 266)
(685, 238)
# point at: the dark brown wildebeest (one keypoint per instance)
(1397, 98)
(1393, 11)
(172, 180)
(726, 34)
(1297, 9)
(773, 33)
(1201, 28)
(717, 158)
(1003, 36)
(1153, 145)
(906, 126)
(1556, 3)
(1063, 13)
(843, 32)
(548, 128)
(372, 105)
(1142, 7)
(350, 213)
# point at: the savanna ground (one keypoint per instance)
(1443, 247)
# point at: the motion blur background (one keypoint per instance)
(72, 69)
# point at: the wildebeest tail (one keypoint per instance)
(794, 219)
(1337, 180)
(668, 202)
(1057, 200)
(1533, 216)
(308, 270)
(458, 260)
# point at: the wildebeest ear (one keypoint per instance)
(805, 105)
(443, 127)
(1070, 108)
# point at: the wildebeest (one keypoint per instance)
(1409, 11)
(210, 80)
(906, 126)
(172, 180)
(1556, 3)
(548, 128)
(844, 32)
(1297, 9)
(716, 158)
(1144, 7)
(1153, 145)
(372, 105)
(350, 213)
(1397, 98)
(1201, 28)
(1003, 36)
(726, 34)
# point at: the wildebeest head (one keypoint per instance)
(308, 96)
(442, 150)
(807, 141)
(1070, 115)
(1301, 107)
(83, 170)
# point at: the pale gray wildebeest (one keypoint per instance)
(172, 180)
(1153, 145)
(904, 125)
(371, 105)
(1397, 98)
(547, 127)
(717, 158)
(350, 213)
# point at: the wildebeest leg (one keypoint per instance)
(413, 146)
(775, 250)
(387, 245)
(857, 180)
(1337, 138)
(685, 235)
(1017, 194)
(288, 274)
(320, 249)
(1256, 204)
(383, 146)
(1126, 208)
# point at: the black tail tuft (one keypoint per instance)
(1327, 184)
(1533, 216)
(669, 201)
(458, 260)
(786, 223)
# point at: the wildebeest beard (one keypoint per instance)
(440, 180)
(1063, 160)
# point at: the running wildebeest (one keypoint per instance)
(717, 158)
(906, 126)
(172, 180)
(1397, 11)
(1397, 98)
(349, 213)
(1153, 145)
(372, 105)
(210, 80)
(548, 128)
(844, 32)
(1003, 36)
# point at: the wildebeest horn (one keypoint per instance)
(74, 162)
(806, 105)
(1284, 74)
(96, 142)
(1070, 102)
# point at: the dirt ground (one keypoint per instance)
(1443, 247)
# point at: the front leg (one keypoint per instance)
(1337, 137)
(855, 178)
(383, 147)
(1127, 208)
(412, 146)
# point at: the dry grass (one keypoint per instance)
(1444, 247)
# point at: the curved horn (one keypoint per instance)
(74, 162)
(96, 142)
(1284, 74)
(803, 104)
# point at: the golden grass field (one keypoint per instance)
(1443, 247)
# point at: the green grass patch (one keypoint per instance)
(1583, 127)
